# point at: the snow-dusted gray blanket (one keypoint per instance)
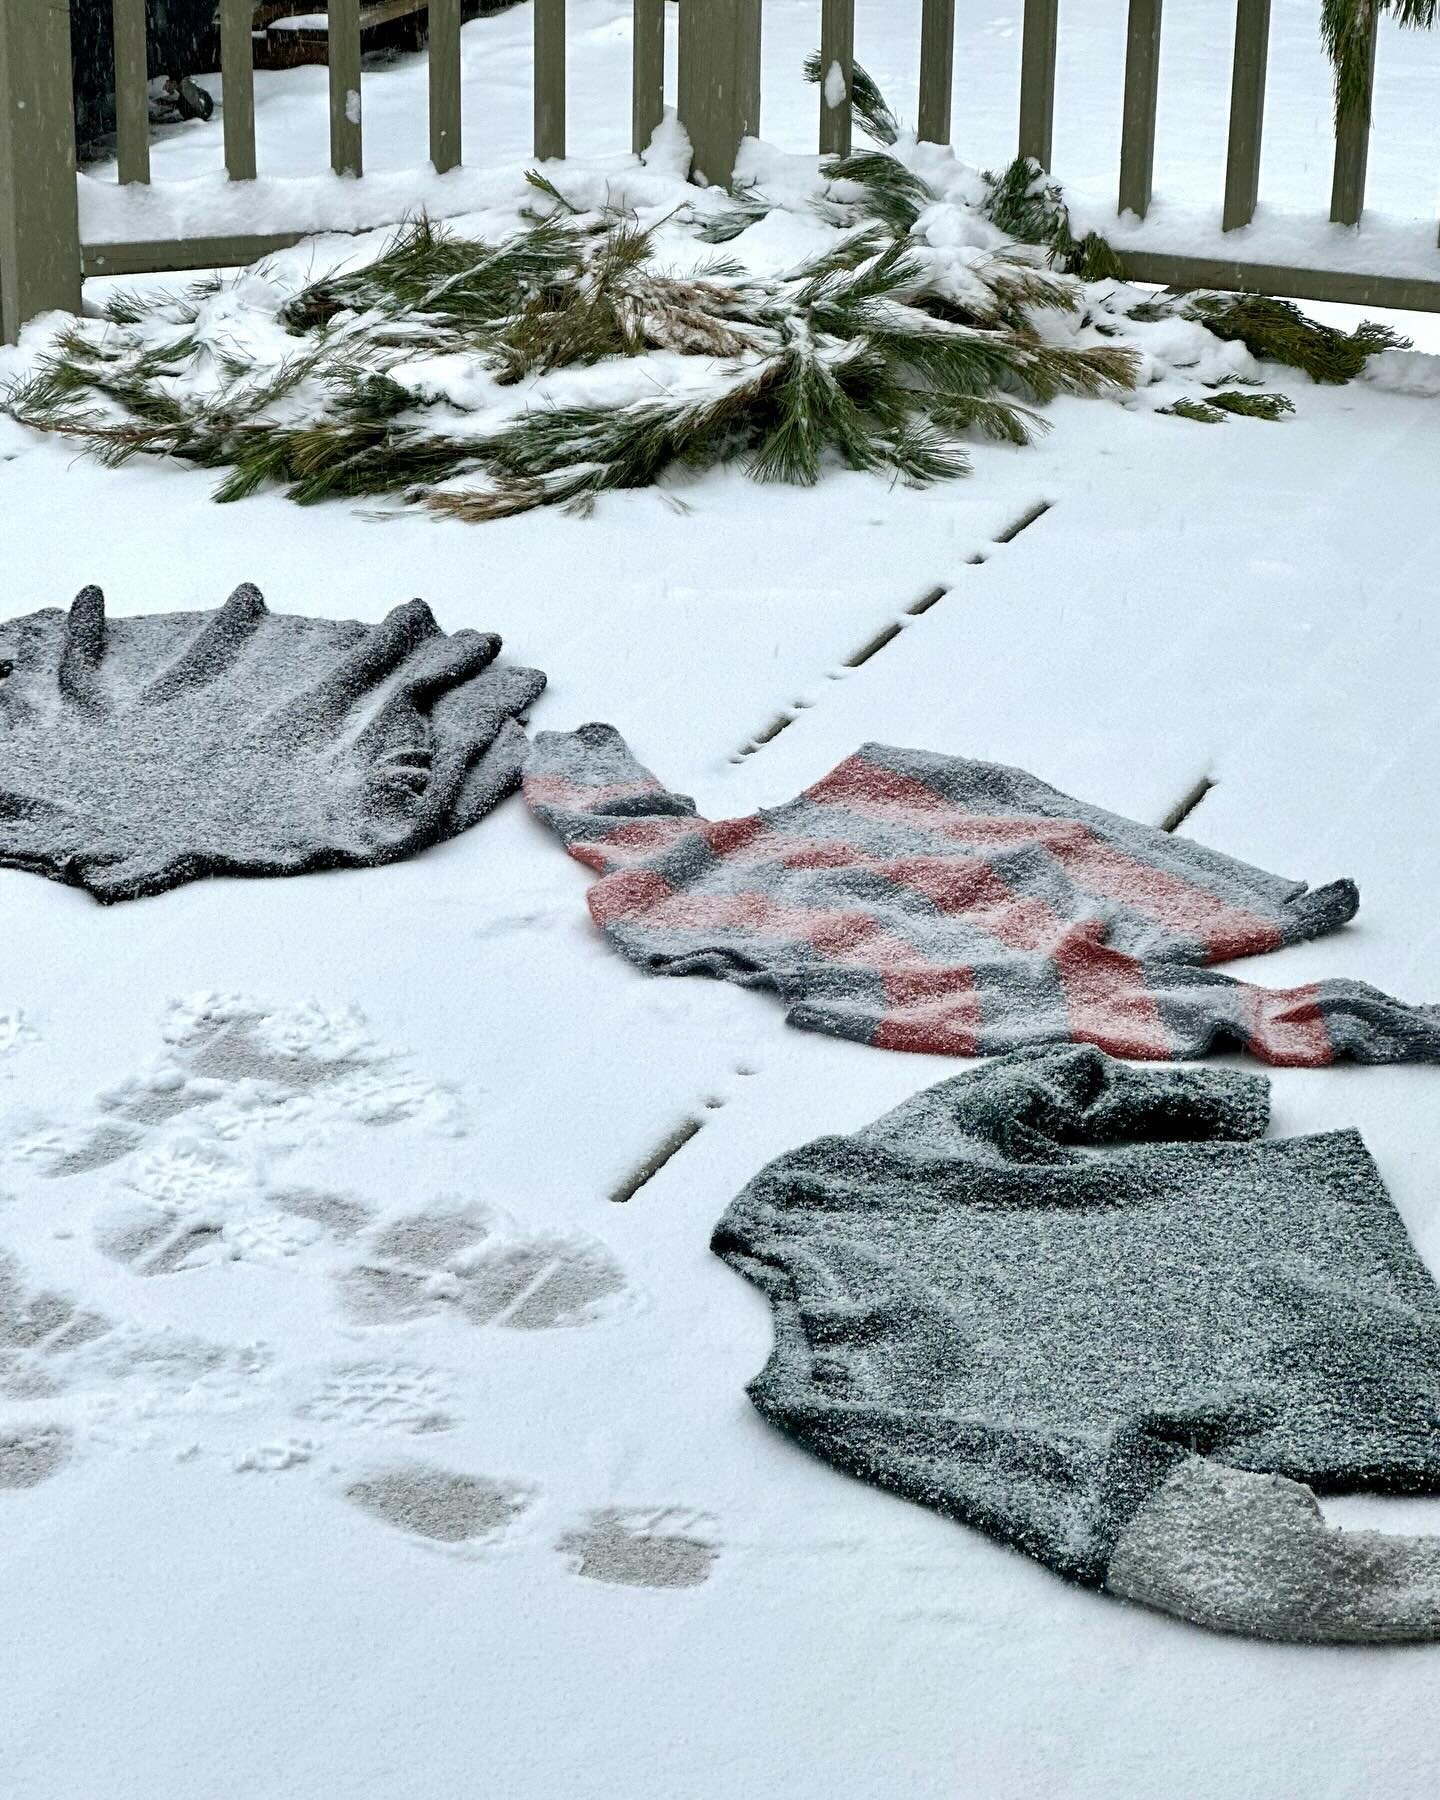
(1134, 1363)
(139, 753)
(923, 902)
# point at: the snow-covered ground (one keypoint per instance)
(671, 1601)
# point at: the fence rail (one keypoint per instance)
(42, 258)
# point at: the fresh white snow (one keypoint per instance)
(193, 1603)
(294, 191)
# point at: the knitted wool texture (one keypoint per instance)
(136, 754)
(923, 902)
(1125, 1364)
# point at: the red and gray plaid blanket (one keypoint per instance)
(923, 902)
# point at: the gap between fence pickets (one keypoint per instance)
(930, 598)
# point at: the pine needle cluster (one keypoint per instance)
(1277, 331)
(869, 108)
(855, 360)
(883, 354)
(1214, 409)
(1346, 26)
(1024, 202)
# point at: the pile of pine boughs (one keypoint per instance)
(864, 358)
(858, 357)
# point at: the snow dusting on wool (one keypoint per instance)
(972, 1312)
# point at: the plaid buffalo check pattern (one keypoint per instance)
(922, 902)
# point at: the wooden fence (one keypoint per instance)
(42, 259)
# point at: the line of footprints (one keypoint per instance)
(192, 1147)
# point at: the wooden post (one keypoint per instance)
(937, 70)
(1352, 146)
(346, 131)
(837, 74)
(1247, 112)
(647, 72)
(549, 78)
(719, 82)
(1037, 80)
(132, 97)
(237, 97)
(1142, 89)
(444, 84)
(39, 218)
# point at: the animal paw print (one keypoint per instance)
(438, 1504)
(381, 1396)
(659, 1547)
(459, 1260)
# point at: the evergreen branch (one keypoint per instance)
(1252, 405)
(1091, 258)
(1214, 409)
(543, 184)
(1346, 27)
(999, 420)
(428, 274)
(850, 361)
(890, 192)
(1026, 204)
(746, 207)
(868, 106)
(1277, 331)
(1200, 411)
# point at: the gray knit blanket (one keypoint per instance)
(923, 902)
(1136, 1364)
(139, 753)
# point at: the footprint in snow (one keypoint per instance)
(234, 1222)
(659, 1547)
(462, 1260)
(37, 1326)
(233, 1067)
(381, 1396)
(30, 1454)
(50, 1343)
(440, 1505)
(655, 1547)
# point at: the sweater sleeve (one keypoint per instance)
(1252, 1553)
(608, 810)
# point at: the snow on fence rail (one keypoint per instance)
(43, 259)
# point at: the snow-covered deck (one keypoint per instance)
(192, 1606)
(1229, 602)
